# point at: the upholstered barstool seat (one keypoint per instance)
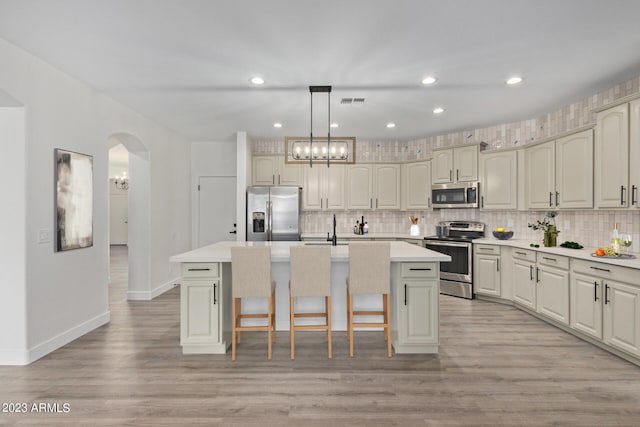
(369, 273)
(310, 277)
(251, 278)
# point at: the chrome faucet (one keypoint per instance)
(334, 239)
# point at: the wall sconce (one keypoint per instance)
(122, 183)
(298, 149)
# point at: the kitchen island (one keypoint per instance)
(205, 295)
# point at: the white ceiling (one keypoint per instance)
(187, 63)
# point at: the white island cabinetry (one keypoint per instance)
(205, 298)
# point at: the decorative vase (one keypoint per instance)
(550, 237)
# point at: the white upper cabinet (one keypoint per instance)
(272, 170)
(455, 164)
(416, 186)
(442, 166)
(323, 187)
(465, 163)
(574, 171)
(499, 180)
(559, 174)
(373, 186)
(540, 176)
(612, 158)
(634, 153)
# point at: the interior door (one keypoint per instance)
(118, 218)
(216, 209)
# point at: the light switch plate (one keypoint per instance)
(44, 235)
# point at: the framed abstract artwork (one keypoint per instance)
(73, 200)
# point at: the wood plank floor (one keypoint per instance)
(497, 366)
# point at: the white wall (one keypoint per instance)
(13, 321)
(209, 159)
(66, 292)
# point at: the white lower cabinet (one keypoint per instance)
(541, 283)
(523, 278)
(486, 270)
(415, 302)
(202, 298)
(605, 303)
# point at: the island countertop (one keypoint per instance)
(221, 252)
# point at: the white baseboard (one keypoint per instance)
(149, 295)
(25, 357)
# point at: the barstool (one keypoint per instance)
(369, 273)
(310, 277)
(251, 278)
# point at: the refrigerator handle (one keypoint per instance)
(268, 220)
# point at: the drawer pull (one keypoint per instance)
(600, 269)
(419, 269)
(199, 269)
(521, 253)
(550, 259)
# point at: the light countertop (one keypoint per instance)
(351, 236)
(221, 252)
(584, 253)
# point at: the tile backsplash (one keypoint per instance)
(591, 227)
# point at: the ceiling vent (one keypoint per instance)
(354, 102)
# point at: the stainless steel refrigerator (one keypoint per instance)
(273, 213)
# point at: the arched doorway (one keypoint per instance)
(138, 214)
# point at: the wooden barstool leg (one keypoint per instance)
(292, 327)
(348, 311)
(387, 327)
(385, 310)
(273, 297)
(238, 303)
(350, 315)
(269, 326)
(328, 319)
(233, 330)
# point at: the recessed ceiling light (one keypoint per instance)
(438, 110)
(429, 80)
(334, 125)
(391, 125)
(257, 81)
(277, 125)
(514, 80)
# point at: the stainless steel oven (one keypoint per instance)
(456, 277)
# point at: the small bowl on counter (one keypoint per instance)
(503, 235)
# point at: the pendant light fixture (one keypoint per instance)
(327, 90)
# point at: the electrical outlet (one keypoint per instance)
(44, 235)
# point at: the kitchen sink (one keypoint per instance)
(325, 243)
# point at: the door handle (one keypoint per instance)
(457, 174)
(622, 190)
(634, 189)
(215, 301)
(606, 294)
(482, 201)
(376, 203)
(550, 197)
(498, 264)
(273, 179)
(428, 202)
(537, 275)
(450, 174)
(595, 291)
(405, 294)
(233, 232)
(557, 196)
(531, 272)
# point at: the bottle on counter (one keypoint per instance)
(366, 227)
(356, 229)
(615, 239)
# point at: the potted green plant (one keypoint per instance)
(548, 225)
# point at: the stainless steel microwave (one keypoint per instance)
(455, 195)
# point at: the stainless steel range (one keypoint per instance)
(455, 239)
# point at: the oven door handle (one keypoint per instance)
(451, 244)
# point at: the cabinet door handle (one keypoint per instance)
(428, 202)
(498, 264)
(634, 189)
(482, 201)
(273, 179)
(550, 197)
(376, 203)
(606, 294)
(215, 301)
(457, 174)
(199, 269)
(537, 275)
(405, 294)
(600, 269)
(595, 291)
(370, 203)
(419, 269)
(557, 197)
(531, 272)
(450, 174)
(622, 189)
